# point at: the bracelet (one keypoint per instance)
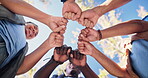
(58, 62)
(100, 34)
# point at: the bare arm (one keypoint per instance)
(23, 8)
(46, 70)
(59, 57)
(113, 68)
(79, 60)
(109, 5)
(31, 59)
(125, 28)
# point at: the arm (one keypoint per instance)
(109, 5)
(60, 56)
(125, 28)
(23, 8)
(79, 60)
(47, 69)
(54, 40)
(90, 17)
(108, 64)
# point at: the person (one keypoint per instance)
(20, 7)
(77, 64)
(14, 32)
(137, 57)
(89, 17)
(30, 30)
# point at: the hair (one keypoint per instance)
(32, 23)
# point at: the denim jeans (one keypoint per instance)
(3, 50)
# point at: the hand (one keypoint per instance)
(89, 18)
(77, 58)
(89, 34)
(57, 24)
(71, 10)
(86, 48)
(60, 53)
(129, 66)
(55, 40)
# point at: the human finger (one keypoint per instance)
(66, 15)
(85, 22)
(64, 20)
(57, 49)
(69, 15)
(69, 49)
(81, 20)
(88, 23)
(77, 15)
(72, 16)
(58, 29)
(83, 32)
(91, 25)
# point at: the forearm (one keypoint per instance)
(31, 59)
(109, 65)
(46, 70)
(109, 5)
(125, 28)
(23, 8)
(87, 72)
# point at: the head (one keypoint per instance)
(72, 70)
(31, 30)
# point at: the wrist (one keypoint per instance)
(94, 53)
(57, 62)
(98, 10)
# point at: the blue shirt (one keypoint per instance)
(139, 57)
(14, 37)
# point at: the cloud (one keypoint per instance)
(73, 41)
(75, 34)
(142, 12)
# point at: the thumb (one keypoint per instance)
(77, 16)
(81, 20)
(58, 29)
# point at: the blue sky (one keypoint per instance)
(54, 7)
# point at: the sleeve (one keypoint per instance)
(63, 1)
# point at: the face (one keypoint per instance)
(31, 31)
(72, 70)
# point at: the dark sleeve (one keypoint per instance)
(54, 76)
(63, 1)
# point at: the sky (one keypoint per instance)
(136, 9)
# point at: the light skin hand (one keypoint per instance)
(57, 24)
(71, 10)
(89, 34)
(86, 48)
(55, 40)
(88, 18)
(77, 58)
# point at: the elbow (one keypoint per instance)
(23, 69)
(19, 72)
